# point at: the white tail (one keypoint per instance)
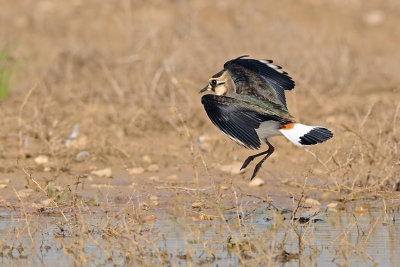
(301, 135)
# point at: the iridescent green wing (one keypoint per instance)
(260, 78)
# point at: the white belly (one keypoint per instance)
(268, 129)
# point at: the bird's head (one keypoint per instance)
(219, 84)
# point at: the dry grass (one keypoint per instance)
(128, 73)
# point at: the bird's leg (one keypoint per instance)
(250, 159)
(270, 150)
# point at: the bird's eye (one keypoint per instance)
(213, 82)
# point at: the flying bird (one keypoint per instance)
(248, 104)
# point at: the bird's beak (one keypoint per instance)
(205, 89)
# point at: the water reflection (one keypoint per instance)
(325, 238)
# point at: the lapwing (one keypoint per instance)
(248, 104)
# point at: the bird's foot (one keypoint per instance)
(247, 162)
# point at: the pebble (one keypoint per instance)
(309, 202)
(374, 17)
(146, 159)
(198, 205)
(101, 186)
(205, 143)
(82, 155)
(332, 206)
(136, 170)
(224, 187)
(154, 198)
(256, 182)
(326, 196)
(317, 171)
(5, 181)
(205, 146)
(105, 173)
(233, 168)
(149, 218)
(205, 217)
(153, 168)
(42, 160)
(3, 186)
(360, 211)
(46, 202)
(172, 177)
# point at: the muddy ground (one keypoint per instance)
(124, 77)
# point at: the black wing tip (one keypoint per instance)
(238, 128)
(315, 136)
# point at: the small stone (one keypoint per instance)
(101, 186)
(105, 173)
(256, 182)
(198, 205)
(146, 159)
(47, 169)
(205, 217)
(327, 196)
(46, 202)
(153, 168)
(82, 155)
(319, 171)
(42, 160)
(36, 206)
(154, 200)
(172, 177)
(309, 202)
(136, 170)
(374, 17)
(233, 168)
(360, 211)
(224, 187)
(332, 206)
(5, 181)
(149, 218)
(207, 147)
(3, 186)
(285, 181)
(208, 138)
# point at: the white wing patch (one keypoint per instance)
(272, 66)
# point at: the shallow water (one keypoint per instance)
(328, 238)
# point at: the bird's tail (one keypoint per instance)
(303, 135)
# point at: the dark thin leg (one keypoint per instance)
(270, 150)
(250, 159)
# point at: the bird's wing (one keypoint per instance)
(236, 118)
(270, 83)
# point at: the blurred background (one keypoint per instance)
(128, 74)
